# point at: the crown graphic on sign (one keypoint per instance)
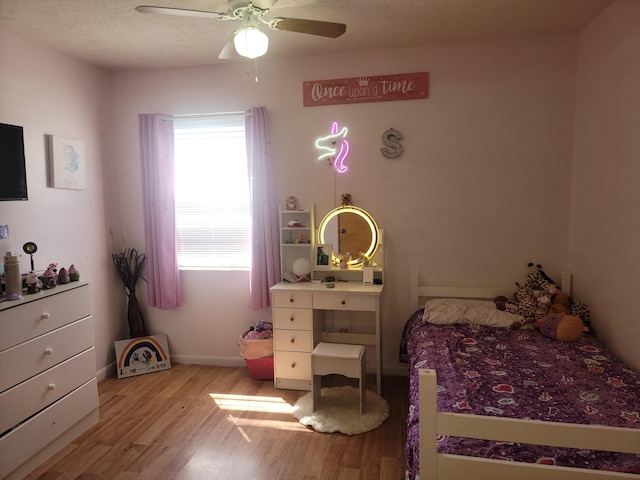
(363, 81)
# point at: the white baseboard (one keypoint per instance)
(206, 360)
(110, 370)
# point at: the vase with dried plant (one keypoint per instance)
(129, 263)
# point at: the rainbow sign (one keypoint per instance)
(142, 355)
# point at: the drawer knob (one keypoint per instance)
(48, 351)
(292, 319)
(291, 300)
(293, 340)
(46, 316)
(293, 365)
(51, 386)
(344, 302)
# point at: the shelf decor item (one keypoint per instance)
(322, 256)
(292, 203)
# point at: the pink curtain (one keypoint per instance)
(156, 158)
(265, 247)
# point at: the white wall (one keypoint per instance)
(48, 93)
(482, 188)
(605, 225)
(484, 185)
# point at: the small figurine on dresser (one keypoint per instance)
(63, 276)
(74, 274)
(34, 285)
(49, 277)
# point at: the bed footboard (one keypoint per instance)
(435, 466)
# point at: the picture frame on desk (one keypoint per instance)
(322, 255)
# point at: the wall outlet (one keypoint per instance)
(4, 232)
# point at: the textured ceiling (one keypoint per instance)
(112, 35)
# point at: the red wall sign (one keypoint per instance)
(382, 88)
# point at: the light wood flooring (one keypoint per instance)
(201, 422)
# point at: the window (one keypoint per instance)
(213, 218)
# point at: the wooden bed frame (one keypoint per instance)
(437, 466)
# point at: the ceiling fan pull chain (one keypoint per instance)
(256, 68)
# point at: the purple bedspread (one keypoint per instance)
(495, 371)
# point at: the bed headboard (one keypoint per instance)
(418, 291)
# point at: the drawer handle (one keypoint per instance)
(291, 300)
(46, 316)
(293, 340)
(51, 386)
(344, 302)
(292, 319)
(48, 351)
(293, 365)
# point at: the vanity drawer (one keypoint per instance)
(30, 358)
(28, 320)
(294, 365)
(292, 319)
(31, 396)
(292, 299)
(344, 301)
(293, 341)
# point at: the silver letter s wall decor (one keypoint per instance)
(393, 147)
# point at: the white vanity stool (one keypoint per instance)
(338, 358)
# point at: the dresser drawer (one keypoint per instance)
(292, 299)
(30, 358)
(24, 441)
(293, 340)
(293, 319)
(45, 313)
(294, 365)
(344, 301)
(31, 396)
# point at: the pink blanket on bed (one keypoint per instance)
(495, 371)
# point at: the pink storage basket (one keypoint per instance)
(260, 368)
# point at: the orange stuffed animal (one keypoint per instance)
(560, 326)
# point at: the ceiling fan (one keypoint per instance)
(249, 41)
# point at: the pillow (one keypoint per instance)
(451, 311)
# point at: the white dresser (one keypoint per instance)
(298, 312)
(48, 387)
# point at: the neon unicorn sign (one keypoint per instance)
(333, 151)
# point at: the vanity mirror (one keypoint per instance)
(351, 230)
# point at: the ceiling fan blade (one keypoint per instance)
(182, 12)
(312, 27)
(264, 4)
(228, 52)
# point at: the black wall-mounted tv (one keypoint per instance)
(13, 174)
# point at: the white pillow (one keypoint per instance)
(451, 311)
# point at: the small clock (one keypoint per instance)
(292, 203)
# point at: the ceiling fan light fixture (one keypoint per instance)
(250, 42)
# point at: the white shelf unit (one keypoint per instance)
(290, 247)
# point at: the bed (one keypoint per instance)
(490, 403)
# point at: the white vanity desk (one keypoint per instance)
(298, 322)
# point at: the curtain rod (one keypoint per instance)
(205, 115)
